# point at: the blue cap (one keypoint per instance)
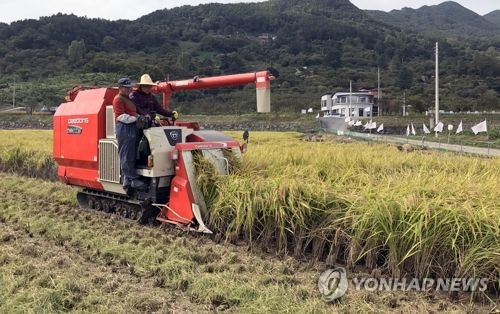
(125, 82)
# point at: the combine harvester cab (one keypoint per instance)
(86, 152)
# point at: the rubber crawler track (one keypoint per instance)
(119, 205)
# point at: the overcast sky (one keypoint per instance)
(13, 10)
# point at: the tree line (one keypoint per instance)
(318, 46)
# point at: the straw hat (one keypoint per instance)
(146, 80)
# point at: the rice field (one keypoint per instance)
(27, 152)
(422, 214)
(417, 214)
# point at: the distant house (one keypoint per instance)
(266, 37)
(345, 104)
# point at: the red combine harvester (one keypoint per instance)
(86, 152)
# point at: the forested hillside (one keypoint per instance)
(493, 17)
(317, 45)
(448, 19)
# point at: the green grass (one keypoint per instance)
(479, 140)
(397, 126)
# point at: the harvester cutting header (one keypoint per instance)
(86, 152)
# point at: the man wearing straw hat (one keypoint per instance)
(146, 102)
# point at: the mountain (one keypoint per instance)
(445, 19)
(304, 39)
(317, 45)
(493, 17)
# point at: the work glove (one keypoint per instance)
(175, 115)
(142, 122)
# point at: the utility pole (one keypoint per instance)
(437, 84)
(14, 96)
(404, 104)
(350, 98)
(379, 95)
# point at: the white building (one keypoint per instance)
(359, 104)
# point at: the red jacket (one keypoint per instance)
(124, 108)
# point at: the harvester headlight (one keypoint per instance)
(151, 162)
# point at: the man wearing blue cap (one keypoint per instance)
(126, 134)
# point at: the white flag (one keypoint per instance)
(439, 127)
(310, 110)
(450, 127)
(460, 128)
(317, 116)
(367, 109)
(408, 130)
(347, 119)
(426, 130)
(303, 111)
(351, 123)
(380, 128)
(372, 125)
(481, 127)
(413, 130)
(358, 123)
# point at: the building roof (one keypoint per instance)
(354, 94)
